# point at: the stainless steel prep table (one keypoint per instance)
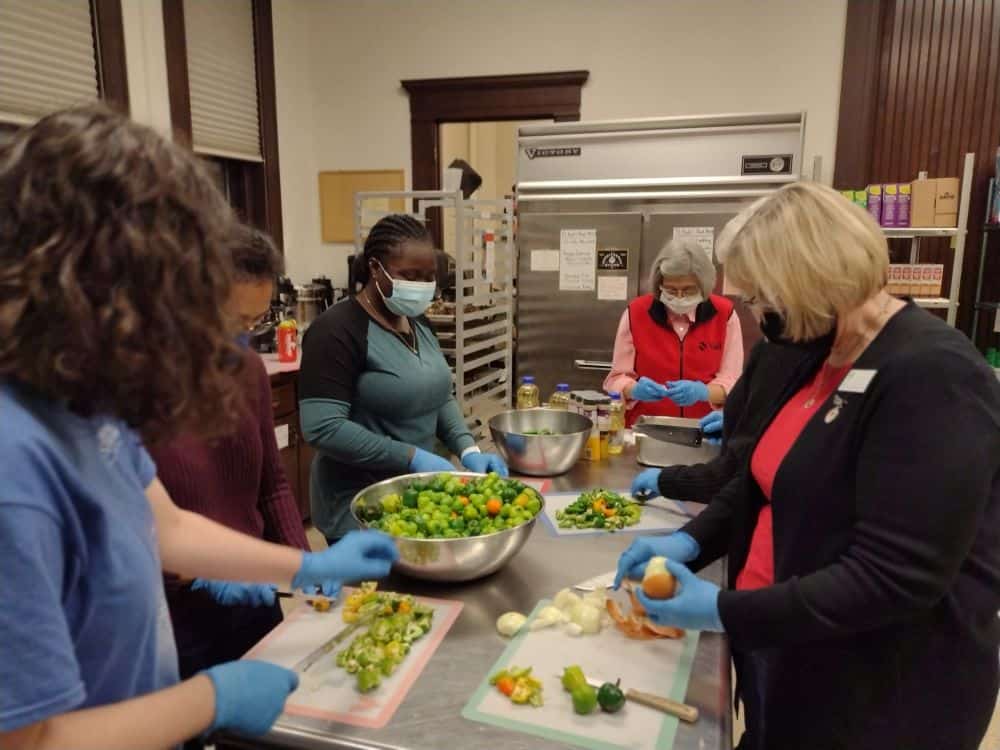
(429, 718)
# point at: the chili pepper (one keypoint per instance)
(584, 699)
(572, 678)
(493, 506)
(505, 685)
(610, 697)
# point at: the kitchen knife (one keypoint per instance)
(316, 654)
(682, 711)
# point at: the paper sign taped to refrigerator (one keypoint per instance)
(281, 435)
(612, 287)
(544, 260)
(704, 236)
(996, 322)
(577, 260)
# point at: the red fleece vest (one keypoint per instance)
(661, 356)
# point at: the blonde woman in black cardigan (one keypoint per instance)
(863, 533)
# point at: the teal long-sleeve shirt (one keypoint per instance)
(366, 399)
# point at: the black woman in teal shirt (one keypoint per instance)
(375, 390)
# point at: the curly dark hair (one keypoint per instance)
(255, 256)
(115, 262)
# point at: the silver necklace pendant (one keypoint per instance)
(834, 412)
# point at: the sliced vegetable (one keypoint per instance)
(518, 685)
(547, 617)
(600, 509)
(395, 621)
(610, 697)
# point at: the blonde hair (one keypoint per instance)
(683, 257)
(807, 253)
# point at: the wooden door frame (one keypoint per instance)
(433, 101)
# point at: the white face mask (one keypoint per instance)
(680, 305)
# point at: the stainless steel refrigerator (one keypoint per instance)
(597, 201)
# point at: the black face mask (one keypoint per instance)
(772, 325)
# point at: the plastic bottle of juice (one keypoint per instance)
(560, 399)
(527, 393)
(616, 437)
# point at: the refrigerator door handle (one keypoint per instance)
(590, 364)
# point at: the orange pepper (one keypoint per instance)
(493, 505)
(505, 685)
(608, 512)
(463, 499)
(599, 505)
(404, 608)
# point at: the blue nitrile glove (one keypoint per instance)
(711, 427)
(646, 483)
(250, 695)
(232, 594)
(648, 390)
(694, 607)
(425, 461)
(679, 546)
(484, 463)
(687, 392)
(359, 556)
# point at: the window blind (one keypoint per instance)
(222, 74)
(47, 58)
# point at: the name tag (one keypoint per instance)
(857, 381)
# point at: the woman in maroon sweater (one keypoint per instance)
(238, 481)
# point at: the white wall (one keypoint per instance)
(645, 57)
(298, 85)
(146, 63)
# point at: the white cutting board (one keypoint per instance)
(661, 666)
(659, 516)
(327, 692)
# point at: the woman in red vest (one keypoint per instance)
(679, 350)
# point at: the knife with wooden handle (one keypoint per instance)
(682, 711)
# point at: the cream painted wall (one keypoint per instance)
(645, 57)
(146, 63)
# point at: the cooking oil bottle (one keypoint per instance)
(527, 393)
(616, 436)
(560, 399)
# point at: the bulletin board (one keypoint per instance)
(336, 198)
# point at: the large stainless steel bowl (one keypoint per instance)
(540, 455)
(462, 559)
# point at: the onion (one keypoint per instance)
(509, 623)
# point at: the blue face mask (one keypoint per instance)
(409, 298)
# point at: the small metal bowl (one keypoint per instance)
(463, 559)
(540, 455)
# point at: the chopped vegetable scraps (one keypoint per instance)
(518, 685)
(396, 621)
(599, 509)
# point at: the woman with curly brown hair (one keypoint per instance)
(114, 259)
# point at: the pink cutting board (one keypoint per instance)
(327, 692)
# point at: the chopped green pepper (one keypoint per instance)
(369, 678)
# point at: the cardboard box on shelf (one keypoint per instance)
(945, 220)
(892, 283)
(905, 279)
(938, 287)
(890, 204)
(946, 197)
(903, 205)
(927, 288)
(922, 196)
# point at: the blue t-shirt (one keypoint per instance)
(83, 618)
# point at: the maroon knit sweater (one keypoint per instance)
(238, 481)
